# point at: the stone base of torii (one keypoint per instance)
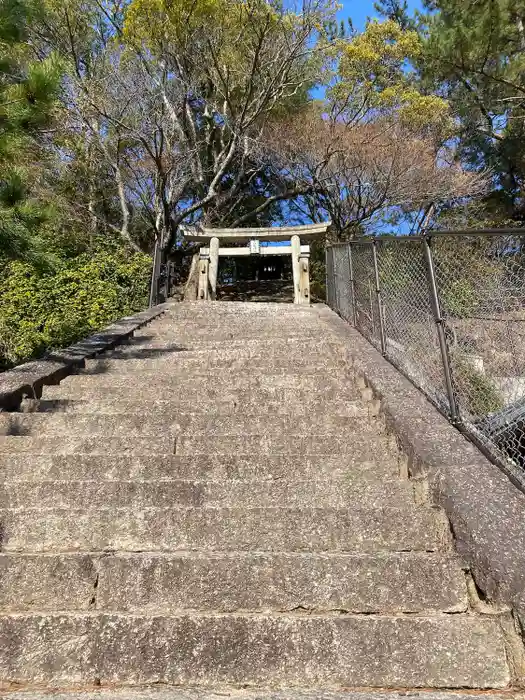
(218, 238)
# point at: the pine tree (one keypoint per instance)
(474, 56)
(396, 10)
(28, 89)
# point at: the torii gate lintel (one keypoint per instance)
(216, 237)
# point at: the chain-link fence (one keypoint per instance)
(447, 309)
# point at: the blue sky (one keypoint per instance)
(359, 10)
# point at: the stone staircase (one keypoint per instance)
(215, 507)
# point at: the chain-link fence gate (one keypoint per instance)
(448, 310)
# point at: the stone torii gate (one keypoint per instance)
(216, 238)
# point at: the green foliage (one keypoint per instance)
(333, 30)
(396, 10)
(28, 90)
(459, 298)
(318, 269)
(374, 77)
(473, 54)
(41, 311)
(469, 274)
(476, 392)
(227, 31)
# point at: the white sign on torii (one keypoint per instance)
(216, 237)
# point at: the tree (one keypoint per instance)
(83, 33)
(396, 10)
(171, 100)
(49, 294)
(28, 92)
(367, 175)
(372, 79)
(171, 108)
(473, 55)
(378, 147)
(226, 67)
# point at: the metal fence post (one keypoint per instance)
(382, 334)
(328, 275)
(326, 294)
(335, 275)
(155, 272)
(440, 326)
(332, 279)
(352, 285)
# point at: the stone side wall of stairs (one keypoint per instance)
(216, 506)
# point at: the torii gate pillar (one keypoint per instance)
(301, 291)
(203, 289)
(304, 279)
(214, 267)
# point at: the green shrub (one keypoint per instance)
(42, 311)
(459, 298)
(318, 290)
(476, 392)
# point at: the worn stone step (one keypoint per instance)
(281, 328)
(227, 380)
(228, 330)
(239, 390)
(260, 352)
(234, 322)
(235, 309)
(257, 582)
(361, 529)
(450, 651)
(248, 310)
(205, 340)
(245, 310)
(321, 493)
(238, 324)
(178, 693)
(247, 307)
(240, 311)
(234, 318)
(208, 306)
(255, 314)
(277, 346)
(156, 346)
(336, 441)
(156, 341)
(223, 338)
(209, 409)
(225, 333)
(47, 582)
(78, 444)
(206, 362)
(208, 398)
(368, 462)
(234, 581)
(68, 425)
(174, 422)
(216, 360)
